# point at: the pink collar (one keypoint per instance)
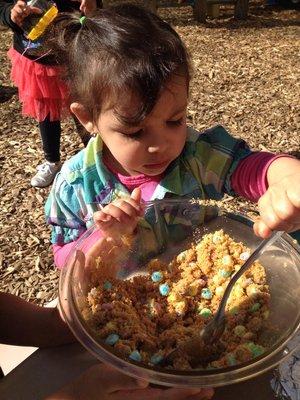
(131, 182)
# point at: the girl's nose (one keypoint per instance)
(153, 149)
(158, 140)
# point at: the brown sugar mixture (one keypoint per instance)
(149, 315)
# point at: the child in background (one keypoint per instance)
(132, 92)
(42, 93)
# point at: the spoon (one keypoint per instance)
(210, 334)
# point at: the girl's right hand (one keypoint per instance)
(121, 216)
(21, 10)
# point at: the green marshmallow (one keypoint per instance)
(239, 330)
(234, 311)
(231, 360)
(255, 349)
(205, 312)
(255, 307)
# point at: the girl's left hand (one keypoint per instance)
(279, 207)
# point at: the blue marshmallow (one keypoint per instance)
(156, 359)
(135, 356)
(164, 289)
(112, 339)
(107, 285)
(156, 276)
(206, 293)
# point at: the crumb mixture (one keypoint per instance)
(147, 316)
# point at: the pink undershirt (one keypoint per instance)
(249, 180)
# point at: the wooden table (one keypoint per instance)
(204, 8)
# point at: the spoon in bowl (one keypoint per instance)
(210, 334)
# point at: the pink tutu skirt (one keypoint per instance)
(41, 90)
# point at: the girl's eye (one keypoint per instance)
(133, 135)
(177, 122)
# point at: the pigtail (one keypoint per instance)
(121, 50)
(67, 40)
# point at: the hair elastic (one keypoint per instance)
(81, 19)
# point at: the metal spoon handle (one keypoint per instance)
(256, 253)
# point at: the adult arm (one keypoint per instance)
(25, 324)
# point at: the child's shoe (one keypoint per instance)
(46, 174)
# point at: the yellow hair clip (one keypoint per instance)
(43, 23)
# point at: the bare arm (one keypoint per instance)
(26, 324)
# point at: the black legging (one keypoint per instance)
(50, 134)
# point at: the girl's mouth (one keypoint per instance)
(157, 166)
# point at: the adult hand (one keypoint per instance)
(102, 382)
(120, 217)
(87, 7)
(279, 207)
(21, 10)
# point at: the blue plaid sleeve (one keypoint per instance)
(65, 212)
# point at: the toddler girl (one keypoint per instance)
(130, 75)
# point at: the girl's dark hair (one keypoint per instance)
(122, 50)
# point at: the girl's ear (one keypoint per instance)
(83, 116)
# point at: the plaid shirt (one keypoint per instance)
(203, 170)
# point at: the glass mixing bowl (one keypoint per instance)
(174, 224)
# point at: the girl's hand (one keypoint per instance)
(120, 217)
(279, 207)
(21, 10)
(115, 221)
